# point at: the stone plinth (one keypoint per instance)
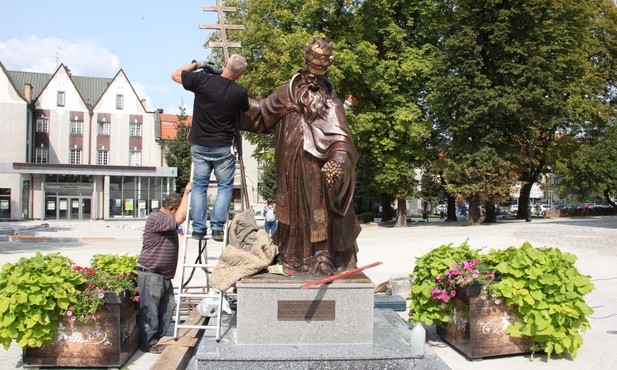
(274, 309)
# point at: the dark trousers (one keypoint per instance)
(156, 306)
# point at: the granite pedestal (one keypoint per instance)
(279, 325)
(274, 309)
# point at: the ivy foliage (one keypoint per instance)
(547, 290)
(34, 293)
(542, 284)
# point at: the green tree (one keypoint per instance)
(510, 77)
(178, 151)
(267, 183)
(589, 171)
(379, 61)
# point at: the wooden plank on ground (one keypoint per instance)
(182, 341)
(177, 356)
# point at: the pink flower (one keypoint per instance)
(136, 298)
(453, 293)
(101, 295)
(483, 296)
(73, 318)
(69, 313)
(497, 301)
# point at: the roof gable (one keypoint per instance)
(91, 89)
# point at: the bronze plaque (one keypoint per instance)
(306, 310)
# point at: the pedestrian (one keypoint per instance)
(269, 214)
(425, 210)
(156, 267)
(315, 160)
(217, 103)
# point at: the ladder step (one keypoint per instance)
(198, 295)
(184, 326)
(205, 265)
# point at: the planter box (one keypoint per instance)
(477, 327)
(108, 342)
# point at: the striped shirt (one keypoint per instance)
(159, 252)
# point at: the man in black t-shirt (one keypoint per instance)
(218, 100)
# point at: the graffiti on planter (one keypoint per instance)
(92, 337)
(492, 327)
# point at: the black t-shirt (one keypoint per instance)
(218, 100)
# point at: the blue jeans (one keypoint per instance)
(156, 306)
(270, 227)
(223, 163)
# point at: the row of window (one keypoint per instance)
(42, 156)
(77, 127)
(60, 100)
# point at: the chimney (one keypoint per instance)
(144, 103)
(28, 92)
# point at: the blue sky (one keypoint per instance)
(146, 39)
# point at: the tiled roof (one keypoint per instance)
(90, 88)
(36, 79)
(168, 125)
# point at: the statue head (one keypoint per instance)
(318, 56)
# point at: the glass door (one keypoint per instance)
(86, 211)
(63, 208)
(75, 208)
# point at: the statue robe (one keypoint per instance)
(317, 223)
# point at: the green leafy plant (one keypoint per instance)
(547, 289)
(109, 273)
(542, 284)
(36, 292)
(366, 217)
(422, 306)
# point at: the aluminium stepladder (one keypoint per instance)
(204, 263)
(202, 252)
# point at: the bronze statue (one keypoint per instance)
(315, 160)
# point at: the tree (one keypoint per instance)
(510, 77)
(590, 170)
(379, 64)
(267, 183)
(178, 151)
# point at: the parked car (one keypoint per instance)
(544, 207)
(514, 209)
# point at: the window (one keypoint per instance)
(135, 158)
(103, 157)
(104, 128)
(60, 99)
(135, 129)
(77, 127)
(41, 155)
(119, 101)
(42, 125)
(75, 156)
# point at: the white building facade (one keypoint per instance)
(78, 148)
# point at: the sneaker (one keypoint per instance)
(217, 235)
(198, 235)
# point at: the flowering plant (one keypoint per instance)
(464, 273)
(542, 286)
(91, 294)
(36, 292)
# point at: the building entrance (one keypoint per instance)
(68, 208)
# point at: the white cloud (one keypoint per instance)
(84, 57)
